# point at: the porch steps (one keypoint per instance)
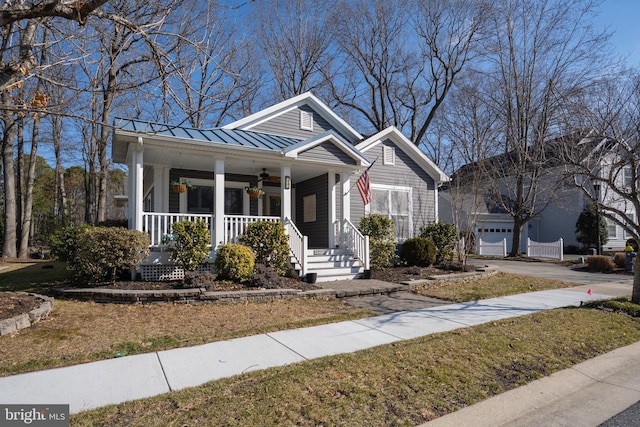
(333, 264)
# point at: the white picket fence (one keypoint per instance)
(552, 250)
(492, 248)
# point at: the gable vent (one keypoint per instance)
(306, 120)
(389, 156)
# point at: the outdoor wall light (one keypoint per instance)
(287, 182)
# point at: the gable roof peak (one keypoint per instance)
(306, 98)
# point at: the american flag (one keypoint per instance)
(364, 186)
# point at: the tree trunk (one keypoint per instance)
(9, 242)
(26, 228)
(515, 241)
(635, 294)
(60, 202)
(19, 167)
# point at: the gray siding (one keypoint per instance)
(318, 230)
(405, 173)
(288, 124)
(327, 152)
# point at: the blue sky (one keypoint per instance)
(623, 18)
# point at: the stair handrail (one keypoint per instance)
(298, 244)
(356, 242)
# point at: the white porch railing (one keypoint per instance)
(236, 225)
(351, 238)
(159, 225)
(551, 250)
(298, 244)
(492, 249)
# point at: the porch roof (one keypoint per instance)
(226, 137)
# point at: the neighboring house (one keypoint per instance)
(304, 158)
(557, 220)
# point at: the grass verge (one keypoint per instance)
(401, 384)
(77, 332)
(498, 285)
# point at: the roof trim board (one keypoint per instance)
(408, 147)
(283, 107)
(294, 150)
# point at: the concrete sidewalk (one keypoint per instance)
(97, 384)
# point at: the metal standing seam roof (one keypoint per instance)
(237, 137)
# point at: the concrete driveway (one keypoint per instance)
(604, 283)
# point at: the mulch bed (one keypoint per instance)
(13, 304)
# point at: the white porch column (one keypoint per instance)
(333, 215)
(137, 175)
(285, 193)
(160, 189)
(218, 204)
(345, 180)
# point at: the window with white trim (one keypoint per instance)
(395, 202)
(626, 176)
(201, 198)
(613, 229)
(306, 120)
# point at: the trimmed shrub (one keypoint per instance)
(600, 263)
(63, 243)
(620, 259)
(382, 248)
(104, 252)
(122, 223)
(191, 240)
(443, 235)
(234, 262)
(418, 251)
(269, 243)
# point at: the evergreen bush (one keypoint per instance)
(234, 262)
(270, 244)
(191, 240)
(105, 252)
(382, 248)
(63, 243)
(443, 235)
(418, 251)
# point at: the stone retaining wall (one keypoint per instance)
(201, 295)
(9, 326)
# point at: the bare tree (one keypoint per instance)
(469, 123)
(538, 50)
(401, 59)
(210, 70)
(295, 40)
(603, 153)
(371, 36)
(32, 14)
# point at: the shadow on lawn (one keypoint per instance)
(38, 277)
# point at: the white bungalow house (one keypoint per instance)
(306, 161)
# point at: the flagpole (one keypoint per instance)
(356, 182)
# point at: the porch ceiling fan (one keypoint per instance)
(264, 176)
